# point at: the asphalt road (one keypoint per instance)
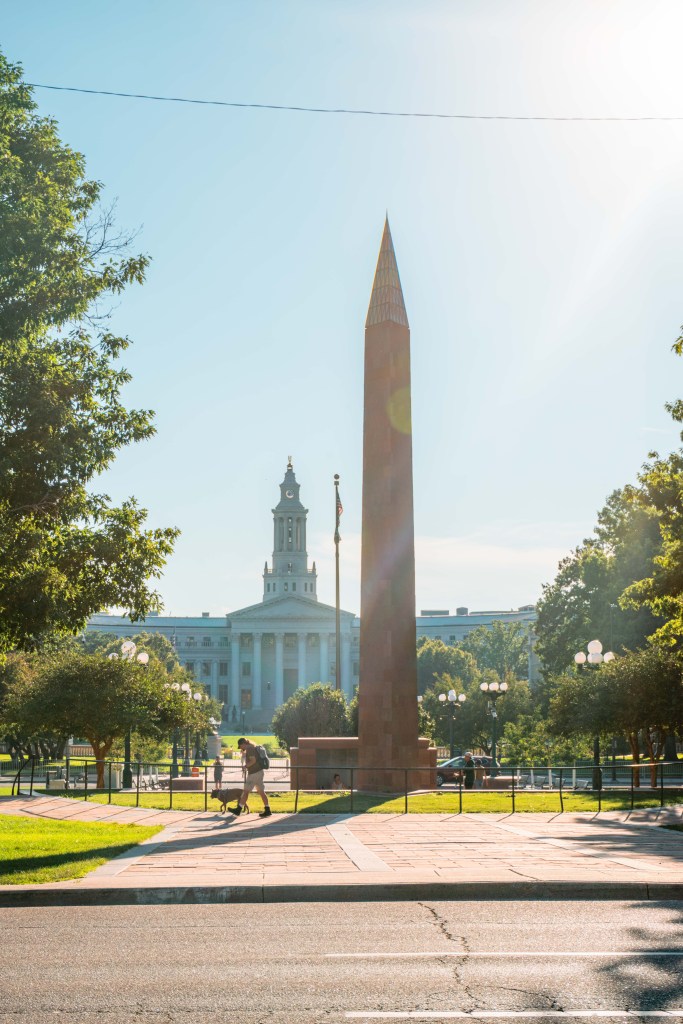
(306, 963)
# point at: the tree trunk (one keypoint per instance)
(652, 754)
(670, 752)
(635, 755)
(100, 750)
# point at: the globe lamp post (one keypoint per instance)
(494, 691)
(594, 657)
(452, 701)
(129, 652)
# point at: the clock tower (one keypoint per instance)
(290, 573)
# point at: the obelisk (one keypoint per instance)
(387, 694)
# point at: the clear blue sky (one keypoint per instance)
(541, 265)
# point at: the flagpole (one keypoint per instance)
(336, 560)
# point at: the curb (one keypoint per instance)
(26, 896)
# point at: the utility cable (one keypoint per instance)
(345, 110)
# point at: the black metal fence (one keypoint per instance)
(652, 783)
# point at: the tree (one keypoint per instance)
(102, 699)
(315, 710)
(638, 695)
(65, 551)
(435, 658)
(502, 647)
(528, 741)
(582, 602)
(18, 670)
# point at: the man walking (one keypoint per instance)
(253, 780)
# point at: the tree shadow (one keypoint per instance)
(56, 860)
(649, 982)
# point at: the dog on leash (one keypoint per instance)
(226, 795)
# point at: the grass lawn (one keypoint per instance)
(53, 851)
(421, 803)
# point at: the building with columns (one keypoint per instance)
(253, 659)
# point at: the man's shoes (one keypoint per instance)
(235, 810)
(265, 813)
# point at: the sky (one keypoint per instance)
(540, 263)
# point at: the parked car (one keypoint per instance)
(451, 770)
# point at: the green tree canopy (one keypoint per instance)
(502, 647)
(65, 551)
(638, 695)
(582, 602)
(315, 710)
(101, 698)
(435, 658)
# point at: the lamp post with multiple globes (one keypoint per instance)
(594, 657)
(493, 691)
(129, 652)
(452, 701)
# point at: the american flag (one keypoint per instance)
(340, 507)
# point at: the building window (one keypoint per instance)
(290, 640)
(293, 586)
(451, 638)
(189, 665)
(223, 694)
(246, 668)
(222, 668)
(223, 641)
(355, 668)
(206, 668)
(268, 587)
(190, 642)
(245, 699)
(245, 641)
(206, 641)
(286, 586)
(305, 587)
(274, 588)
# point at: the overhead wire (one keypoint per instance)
(351, 110)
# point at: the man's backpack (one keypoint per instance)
(263, 759)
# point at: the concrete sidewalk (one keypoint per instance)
(208, 857)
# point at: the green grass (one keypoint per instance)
(421, 803)
(54, 851)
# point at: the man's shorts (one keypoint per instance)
(253, 780)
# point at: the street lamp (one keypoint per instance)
(594, 657)
(187, 690)
(493, 691)
(129, 652)
(452, 701)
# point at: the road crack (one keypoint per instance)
(455, 966)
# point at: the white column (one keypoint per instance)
(279, 666)
(235, 681)
(256, 672)
(323, 640)
(301, 674)
(346, 679)
(214, 679)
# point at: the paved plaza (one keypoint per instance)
(208, 855)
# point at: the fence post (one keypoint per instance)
(33, 764)
(460, 794)
(85, 764)
(206, 788)
(296, 794)
(109, 800)
(513, 789)
(68, 765)
(137, 787)
(351, 795)
(599, 774)
(561, 795)
(170, 791)
(661, 786)
(632, 783)
(405, 782)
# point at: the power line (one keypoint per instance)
(343, 110)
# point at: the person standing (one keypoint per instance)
(218, 771)
(468, 770)
(253, 780)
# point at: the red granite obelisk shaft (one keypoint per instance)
(388, 720)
